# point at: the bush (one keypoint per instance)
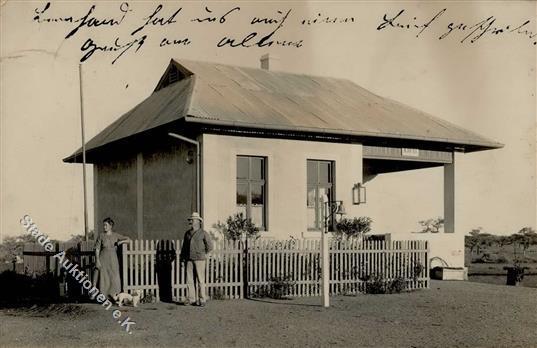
(237, 227)
(431, 225)
(397, 285)
(347, 228)
(377, 284)
(278, 288)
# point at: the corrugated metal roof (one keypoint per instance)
(246, 97)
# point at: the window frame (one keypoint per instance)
(330, 185)
(249, 182)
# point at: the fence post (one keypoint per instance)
(244, 260)
(427, 265)
(124, 264)
(57, 265)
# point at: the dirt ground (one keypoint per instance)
(450, 314)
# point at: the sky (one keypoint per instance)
(487, 86)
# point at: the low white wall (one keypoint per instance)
(447, 247)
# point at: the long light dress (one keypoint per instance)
(109, 279)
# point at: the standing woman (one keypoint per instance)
(106, 259)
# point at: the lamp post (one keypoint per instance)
(330, 208)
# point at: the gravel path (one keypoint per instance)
(450, 314)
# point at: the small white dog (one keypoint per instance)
(125, 298)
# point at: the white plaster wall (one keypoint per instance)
(397, 201)
(286, 188)
(286, 179)
(448, 247)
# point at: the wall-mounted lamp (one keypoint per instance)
(358, 194)
(190, 157)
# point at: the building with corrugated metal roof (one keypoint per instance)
(224, 139)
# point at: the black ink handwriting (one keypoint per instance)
(211, 19)
(396, 22)
(90, 47)
(264, 41)
(486, 27)
(266, 20)
(154, 20)
(326, 20)
(166, 42)
(90, 21)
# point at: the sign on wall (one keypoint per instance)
(408, 152)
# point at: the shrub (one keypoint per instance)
(397, 285)
(277, 288)
(347, 228)
(238, 227)
(431, 225)
(375, 284)
(416, 270)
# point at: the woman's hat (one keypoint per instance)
(195, 215)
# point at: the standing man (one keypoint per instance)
(196, 245)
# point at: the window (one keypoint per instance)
(251, 189)
(173, 75)
(320, 182)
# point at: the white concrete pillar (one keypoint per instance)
(449, 197)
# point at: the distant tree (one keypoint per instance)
(13, 246)
(503, 241)
(475, 232)
(525, 238)
(80, 237)
(473, 241)
(486, 239)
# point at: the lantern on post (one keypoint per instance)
(358, 194)
(331, 209)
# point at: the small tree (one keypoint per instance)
(473, 241)
(238, 227)
(347, 228)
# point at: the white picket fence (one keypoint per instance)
(144, 260)
(234, 265)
